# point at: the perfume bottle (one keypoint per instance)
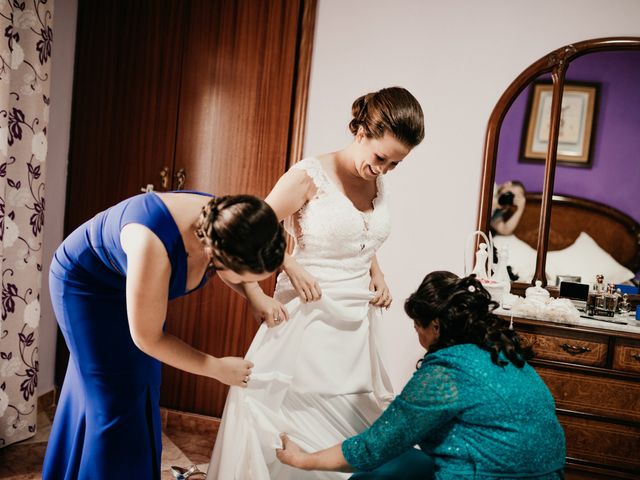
(480, 268)
(595, 297)
(606, 302)
(612, 298)
(599, 285)
(624, 307)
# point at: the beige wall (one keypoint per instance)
(457, 57)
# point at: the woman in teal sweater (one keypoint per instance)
(474, 405)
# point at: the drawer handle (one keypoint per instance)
(575, 349)
(636, 356)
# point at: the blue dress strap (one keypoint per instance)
(149, 210)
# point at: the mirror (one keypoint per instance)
(576, 152)
(608, 174)
(522, 235)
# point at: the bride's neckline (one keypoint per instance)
(334, 184)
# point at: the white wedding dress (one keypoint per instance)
(319, 376)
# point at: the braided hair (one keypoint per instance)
(464, 310)
(241, 233)
(391, 109)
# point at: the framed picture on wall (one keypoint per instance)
(577, 123)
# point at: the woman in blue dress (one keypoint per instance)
(475, 406)
(110, 283)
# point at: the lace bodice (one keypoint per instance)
(331, 233)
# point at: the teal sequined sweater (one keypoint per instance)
(475, 419)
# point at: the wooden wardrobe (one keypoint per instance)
(205, 95)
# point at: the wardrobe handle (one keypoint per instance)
(574, 349)
(636, 356)
(148, 188)
(164, 178)
(181, 176)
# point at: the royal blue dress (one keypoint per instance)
(107, 423)
(473, 419)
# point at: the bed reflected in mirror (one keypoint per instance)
(594, 217)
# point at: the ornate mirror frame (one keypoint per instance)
(555, 64)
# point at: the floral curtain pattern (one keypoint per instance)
(25, 64)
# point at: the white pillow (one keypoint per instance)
(586, 259)
(522, 257)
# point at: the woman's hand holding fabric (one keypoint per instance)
(383, 295)
(304, 283)
(266, 308)
(234, 371)
(290, 453)
(330, 459)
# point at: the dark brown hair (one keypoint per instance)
(391, 109)
(242, 234)
(464, 310)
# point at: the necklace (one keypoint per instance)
(365, 228)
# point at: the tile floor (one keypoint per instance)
(186, 440)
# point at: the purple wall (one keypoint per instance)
(614, 176)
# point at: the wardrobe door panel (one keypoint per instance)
(125, 101)
(236, 106)
(235, 103)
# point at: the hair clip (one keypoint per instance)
(471, 288)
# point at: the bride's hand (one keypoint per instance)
(383, 295)
(290, 453)
(267, 309)
(305, 285)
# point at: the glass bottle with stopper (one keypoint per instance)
(624, 307)
(602, 300)
(594, 297)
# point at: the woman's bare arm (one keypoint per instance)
(330, 459)
(147, 294)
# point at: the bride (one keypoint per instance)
(318, 375)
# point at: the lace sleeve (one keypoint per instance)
(428, 401)
(311, 166)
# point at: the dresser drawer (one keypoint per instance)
(584, 350)
(626, 355)
(573, 471)
(605, 444)
(593, 394)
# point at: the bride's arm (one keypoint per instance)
(377, 284)
(291, 192)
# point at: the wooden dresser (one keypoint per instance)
(594, 376)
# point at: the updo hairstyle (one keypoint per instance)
(465, 312)
(241, 233)
(391, 109)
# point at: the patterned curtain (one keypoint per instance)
(25, 63)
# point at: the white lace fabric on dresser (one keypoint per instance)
(319, 376)
(560, 310)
